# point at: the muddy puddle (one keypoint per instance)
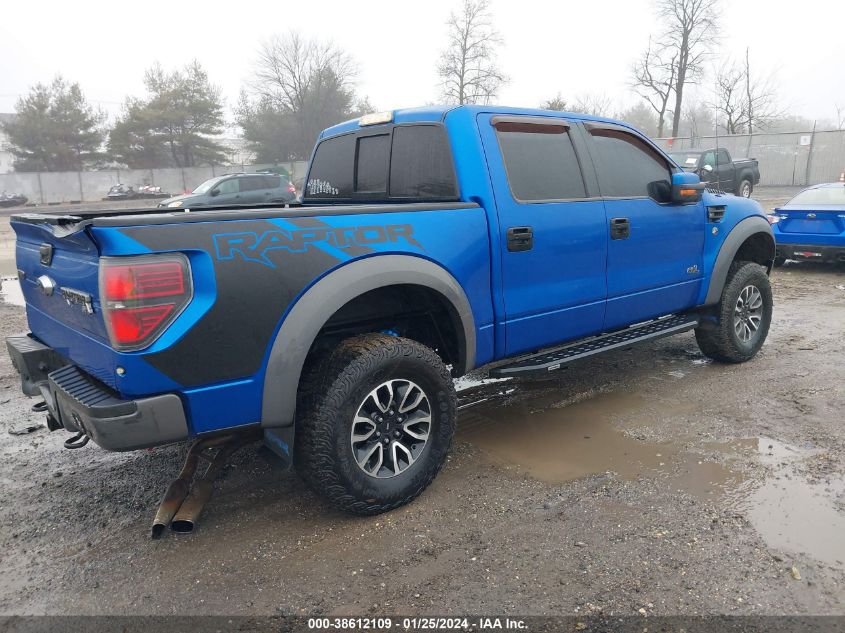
(791, 508)
(566, 440)
(10, 291)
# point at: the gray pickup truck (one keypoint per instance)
(716, 167)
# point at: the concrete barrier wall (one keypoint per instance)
(90, 186)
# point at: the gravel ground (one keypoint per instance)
(647, 480)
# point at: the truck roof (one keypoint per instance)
(438, 113)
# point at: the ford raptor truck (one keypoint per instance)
(428, 242)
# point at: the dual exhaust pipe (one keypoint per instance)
(182, 503)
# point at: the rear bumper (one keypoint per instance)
(812, 252)
(79, 403)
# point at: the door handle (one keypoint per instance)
(520, 238)
(620, 228)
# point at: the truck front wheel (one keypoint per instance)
(375, 424)
(743, 315)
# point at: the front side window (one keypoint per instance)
(228, 186)
(627, 165)
(540, 162)
(208, 184)
(709, 159)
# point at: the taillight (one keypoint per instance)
(141, 296)
(291, 188)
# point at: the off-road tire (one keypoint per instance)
(722, 343)
(336, 386)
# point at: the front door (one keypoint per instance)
(552, 232)
(654, 259)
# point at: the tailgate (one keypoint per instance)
(58, 263)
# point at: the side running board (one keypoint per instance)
(549, 360)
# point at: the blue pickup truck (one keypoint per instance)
(429, 242)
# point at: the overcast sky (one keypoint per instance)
(574, 48)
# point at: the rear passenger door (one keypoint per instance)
(655, 250)
(552, 231)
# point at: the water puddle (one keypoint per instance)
(791, 510)
(793, 502)
(574, 439)
(10, 291)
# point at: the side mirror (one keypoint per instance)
(214, 192)
(687, 188)
(708, 168)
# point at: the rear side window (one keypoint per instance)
(421, 167)
(372, 159)
(627, 164)
(272, 182)
(332, 169)
(540, 162)
(407, 162)
(253, 183)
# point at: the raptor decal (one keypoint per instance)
(253, 246)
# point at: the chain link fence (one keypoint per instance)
(785, 158)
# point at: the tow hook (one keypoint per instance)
(182, 503)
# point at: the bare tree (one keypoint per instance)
(840, 116)
(744, 101)
(594, 104)
(555, 103)
(468, 69)
(761, 107)
(729, 96)
(691, 27)
(654, 80)
(299, 87)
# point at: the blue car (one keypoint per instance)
(811, 226)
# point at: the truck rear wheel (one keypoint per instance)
(745, 188)
(744, 314)
(375, 425)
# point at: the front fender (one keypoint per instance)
(727, 253)
(307, 317)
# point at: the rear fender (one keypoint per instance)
(327, 296)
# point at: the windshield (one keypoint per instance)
(208, 184)
(685, 159)
(822, 195)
